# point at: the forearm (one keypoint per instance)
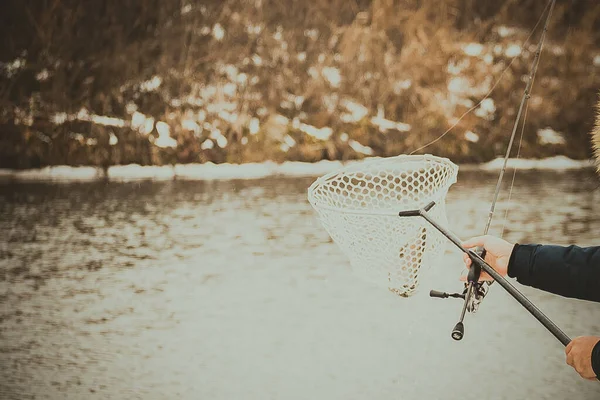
(567, 271)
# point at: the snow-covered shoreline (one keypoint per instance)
(210, 171)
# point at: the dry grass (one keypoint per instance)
(97, 58)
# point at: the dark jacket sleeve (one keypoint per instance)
(567, 271)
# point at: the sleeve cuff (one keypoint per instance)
(519, 264)
(596, 359)
(511, 261)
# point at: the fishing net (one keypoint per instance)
(359, 205)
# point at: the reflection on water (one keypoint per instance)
(233, 290)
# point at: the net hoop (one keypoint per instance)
(359, 204)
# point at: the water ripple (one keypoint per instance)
(233, 289)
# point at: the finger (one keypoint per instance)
(569, 347)
(484, 277)
(578, 366)
(474, 242)
(570, 360)
(585, 374)
(468, 261)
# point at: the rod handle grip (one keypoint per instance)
(459, 331)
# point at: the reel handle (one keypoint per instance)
(437, 293)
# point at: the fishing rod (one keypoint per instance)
(481, 264)
(475, 291)
(367, 190)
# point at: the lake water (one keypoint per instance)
(233, 290)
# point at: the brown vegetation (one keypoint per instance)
(229, 70)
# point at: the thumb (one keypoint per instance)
(474, 242)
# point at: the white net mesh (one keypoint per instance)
(359, 205)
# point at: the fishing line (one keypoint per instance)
(491, 90)
(512, 183)
(533, 75)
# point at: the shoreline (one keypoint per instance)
(210, 171)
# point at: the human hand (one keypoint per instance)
(498, 252)
(579, 355)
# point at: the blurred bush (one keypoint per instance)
(182, 81)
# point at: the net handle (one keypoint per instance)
(382, 213)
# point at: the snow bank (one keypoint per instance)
(553, 163)
(54, 174)
(210, 171)
(134, 172)
(296, 168)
